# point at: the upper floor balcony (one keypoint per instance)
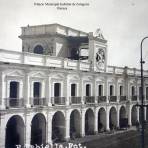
(58, 101)
(38, 101)
(134, 98)
(89, 99)
(75, 100)
(14, 102)
(122, 98)
(101, 99)
(112, 98)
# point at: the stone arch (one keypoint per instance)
(134, 117)
(101, 119)
(58, 127)
(123, 122)
(14, 132)
(75, 122)
(89, 122)
(113, 118)
(38, 129)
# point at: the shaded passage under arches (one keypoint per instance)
(134, 117)
(58, 127)
(75, 124)
(14, 132)
(101, 120)
(89, 122)
(123, 120)
(38, 130)
(113, 118)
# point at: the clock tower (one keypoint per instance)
(98, 51)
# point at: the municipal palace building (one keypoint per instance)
(61, 87)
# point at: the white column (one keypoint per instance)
(28, 129)
(129, 115)
(20, 90)
(81, 91)
(2, 130)
(118, 116)
(138, 114)
(48, 91)
(107, 119)
(2, 90)
(67, 91)
(67, 125)
(27, 90)
(106, 89)
(49, 128)
(96, 122)
(83, 123)
(43, 89)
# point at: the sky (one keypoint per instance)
(124, 23)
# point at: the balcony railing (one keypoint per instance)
(101, 99)
(122, 98)
(112, 98)
(14, 102)
(134, 98)
(89, 99)
(58, 100)
(75, 100)
(39, 101)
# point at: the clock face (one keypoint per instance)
(100, 58)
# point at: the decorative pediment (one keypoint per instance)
(57, 76)
(15, 73)
(38, 74)
(120, 80)
(73, 77)
(100, 79)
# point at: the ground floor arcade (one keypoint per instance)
(47, 126)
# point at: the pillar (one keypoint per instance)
(118, 117)
(107, 119)
(96, 122)
(28, 129)
(67, 125)
(2, 130)
(83, 123)
(27, 90)
(48, 91)
(2, 90)
(129, 115)
(49, 128)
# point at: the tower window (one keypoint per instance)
(38, 49)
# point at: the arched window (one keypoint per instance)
(38, 49)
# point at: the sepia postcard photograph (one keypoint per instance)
(73, 74)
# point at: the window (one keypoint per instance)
(111, 90)
(121, 90)
(14, 89)
(140, 92)
(88, 90)
(57, 89)
(73, 90)
(100, 91)
(36, 89)
(133, 91)
(146, 93)
(38, 49)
